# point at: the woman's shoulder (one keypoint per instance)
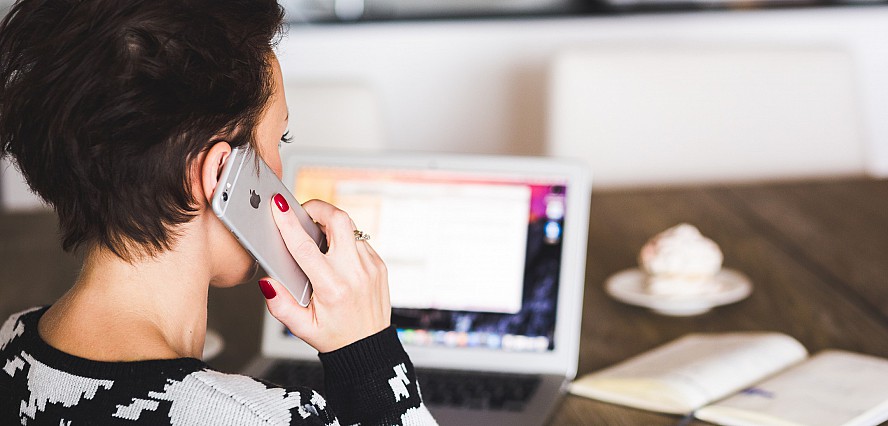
(240, 399)
(14, 326)
(51, 385)
(14, 332)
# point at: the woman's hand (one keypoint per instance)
(350, 281)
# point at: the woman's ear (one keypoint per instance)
(211, 168)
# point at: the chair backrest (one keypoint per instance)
(649, 115)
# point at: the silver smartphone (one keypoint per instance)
(242, 200)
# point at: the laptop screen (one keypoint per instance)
(473, 258)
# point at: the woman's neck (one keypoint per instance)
(152, 308)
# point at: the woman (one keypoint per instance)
(120, 114)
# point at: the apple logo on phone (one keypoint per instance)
(254, 199)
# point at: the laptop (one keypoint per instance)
(486, 259)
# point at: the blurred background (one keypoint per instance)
(648, 92)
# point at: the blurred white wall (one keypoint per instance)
(662, 114)
(482, 86)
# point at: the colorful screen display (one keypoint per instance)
(473, 259)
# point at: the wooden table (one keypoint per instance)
(817, 253)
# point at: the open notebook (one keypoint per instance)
(486, 260)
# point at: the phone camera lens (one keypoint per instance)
(225, 196)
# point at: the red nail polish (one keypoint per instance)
(267, 289)
(281, 202)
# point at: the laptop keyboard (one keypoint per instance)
(440, 388)
(469, 389)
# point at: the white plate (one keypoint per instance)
(628, 286)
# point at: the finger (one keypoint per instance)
(368, 257)
(339, 227)
(366, 249)
(283, 306)
(372, 262)
(307, 206)
(381, 290)
(300, 245)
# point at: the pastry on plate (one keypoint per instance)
(680, 262)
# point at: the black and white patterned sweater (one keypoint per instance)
(368, 382)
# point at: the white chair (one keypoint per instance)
(679, 113)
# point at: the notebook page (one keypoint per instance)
(692, 371)
(832, 388)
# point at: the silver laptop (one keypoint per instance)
(486, 259)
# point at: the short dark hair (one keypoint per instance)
(105, 103)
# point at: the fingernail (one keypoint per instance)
(267, 289)
(281, 202)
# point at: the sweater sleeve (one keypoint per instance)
(372, 381)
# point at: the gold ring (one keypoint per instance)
(361, 235)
